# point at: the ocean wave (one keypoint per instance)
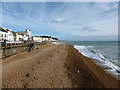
(99, 57)
(79, 47)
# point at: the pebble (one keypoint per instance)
(50, 55)
(78, 71)
(71, 76)
(34, 77)
(27, 75)
(68, 68)
(38, 62)
(52, 81)
(75, 85)
(36, 71)
(25, 86)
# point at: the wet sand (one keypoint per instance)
(54, 66)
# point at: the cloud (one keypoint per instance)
(85, 28)
(76, 23)
(89, 28)
(74, 18)
(58, 20)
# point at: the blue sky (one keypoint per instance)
(64, 20)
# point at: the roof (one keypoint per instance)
(21, 32)
(4, 29)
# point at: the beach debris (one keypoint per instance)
(38, 62)
(27, 75)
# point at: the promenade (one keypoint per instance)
(54, 66)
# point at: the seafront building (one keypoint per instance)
(43, 38)
(11, 36)
(37, 39)
(6, 34)
(22, 36)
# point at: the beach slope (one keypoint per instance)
(54, 66)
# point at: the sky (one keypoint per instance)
(90, 21)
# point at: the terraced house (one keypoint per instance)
(23, 35)
(13, 37)
(6, 34)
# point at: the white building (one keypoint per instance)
(28, 31)
(37, 39)
(24, 36)
(51, 39)
(43, 38)
(6, 34)
(16, 36)
(10, 36)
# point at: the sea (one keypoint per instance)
(104, 53)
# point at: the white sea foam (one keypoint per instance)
(79, 47)
(99, 57)
(85, 51)
(112, 65)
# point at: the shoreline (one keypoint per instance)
(101, 60)
(107, 65)
(98, 71)
(63, 62)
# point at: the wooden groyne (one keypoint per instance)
(12, 49)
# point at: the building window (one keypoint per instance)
(1, 35)
(6, 35)
(10, 34)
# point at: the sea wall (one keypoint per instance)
(12, 50)
(8, 51)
